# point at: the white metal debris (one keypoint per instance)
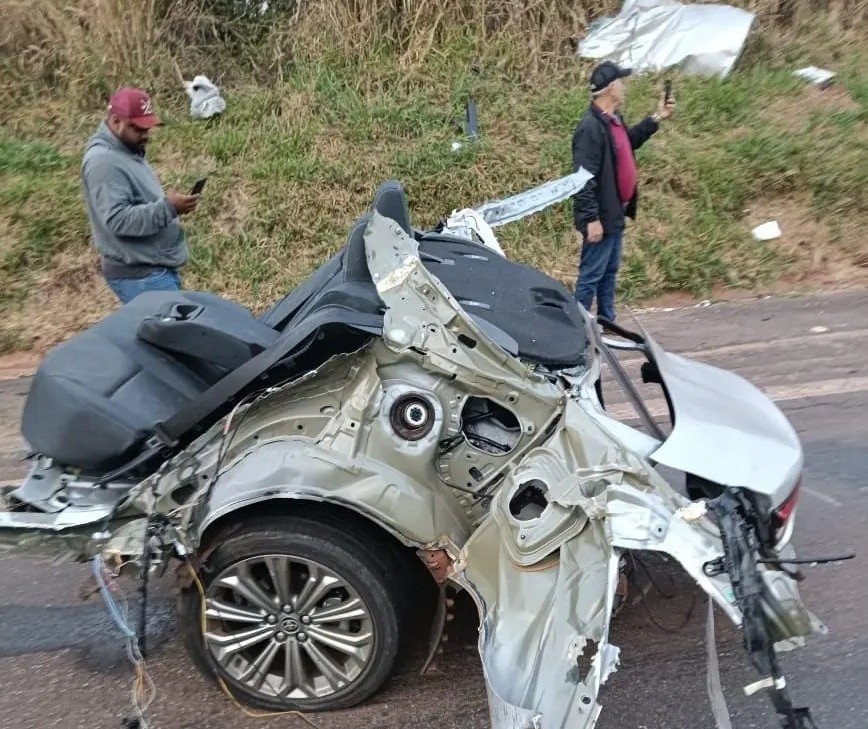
(652, 35)
(817, 76)
(767, 231)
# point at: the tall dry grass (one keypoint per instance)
(83, 48)
(539, 30)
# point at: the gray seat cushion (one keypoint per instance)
(95, 397)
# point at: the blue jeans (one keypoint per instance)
(160, 279)
(598, 271)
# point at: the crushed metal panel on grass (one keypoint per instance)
(817, 76)
(653, 35)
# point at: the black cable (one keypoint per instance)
(229, 437)
(650, 577)
(806, 560)
(648, 610)
(226, 439)
(487, 441)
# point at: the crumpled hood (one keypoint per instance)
(726, 429)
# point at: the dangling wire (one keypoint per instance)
(143, 690)
(204, 628)
(666, 596)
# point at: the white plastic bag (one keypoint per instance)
(205, 99)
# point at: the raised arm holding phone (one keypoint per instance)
(604, 145)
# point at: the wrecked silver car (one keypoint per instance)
(421, 401)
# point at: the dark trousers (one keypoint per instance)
(598, 273)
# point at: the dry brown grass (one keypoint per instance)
(64, 300)
(86, 47)
(540, 29)
(791, 112)
(88, 44)
(817, 255)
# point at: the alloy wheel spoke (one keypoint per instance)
(258, 670)
(220, 610)
(278, 570)
(294, 673)
(330, 670)
(242, 582)
(315, 589)
(350, 610)
(231, 643)
(349, 643)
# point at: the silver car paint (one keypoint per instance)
(544, 584)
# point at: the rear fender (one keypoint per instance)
(297, 469)
(545, 626)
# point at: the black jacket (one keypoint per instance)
(594, 150)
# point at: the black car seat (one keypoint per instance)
(166, 366)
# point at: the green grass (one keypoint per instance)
(291, 165)
(40, 208)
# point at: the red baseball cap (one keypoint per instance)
(135, 106)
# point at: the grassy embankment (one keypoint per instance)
(326, 103)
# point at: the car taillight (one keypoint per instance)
(783, 517)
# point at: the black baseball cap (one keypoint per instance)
(605, 73)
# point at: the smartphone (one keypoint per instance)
(197, 188)
(667, 91)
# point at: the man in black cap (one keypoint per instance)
(603, 144)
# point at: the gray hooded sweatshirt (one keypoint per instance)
(135, 228)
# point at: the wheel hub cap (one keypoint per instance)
(290, 625)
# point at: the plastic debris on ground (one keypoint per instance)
(205, 98)
(767, 231)
(817, 76)
(653, 35)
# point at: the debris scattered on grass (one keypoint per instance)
(767, 231)
(205, 98)
(653, 35)
(817, 76)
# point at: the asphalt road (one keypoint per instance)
(62, 664)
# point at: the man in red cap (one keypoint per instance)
(603, 144)
(134, 223)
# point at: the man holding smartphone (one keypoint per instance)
(134, 223)
(604, 145)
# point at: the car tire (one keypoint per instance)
(365, 584)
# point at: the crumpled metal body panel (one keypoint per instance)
(546, 613)
(542, 574)
(516, 207)
(653, 35)
(330, 438)
(719, 414)
(544, 635)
